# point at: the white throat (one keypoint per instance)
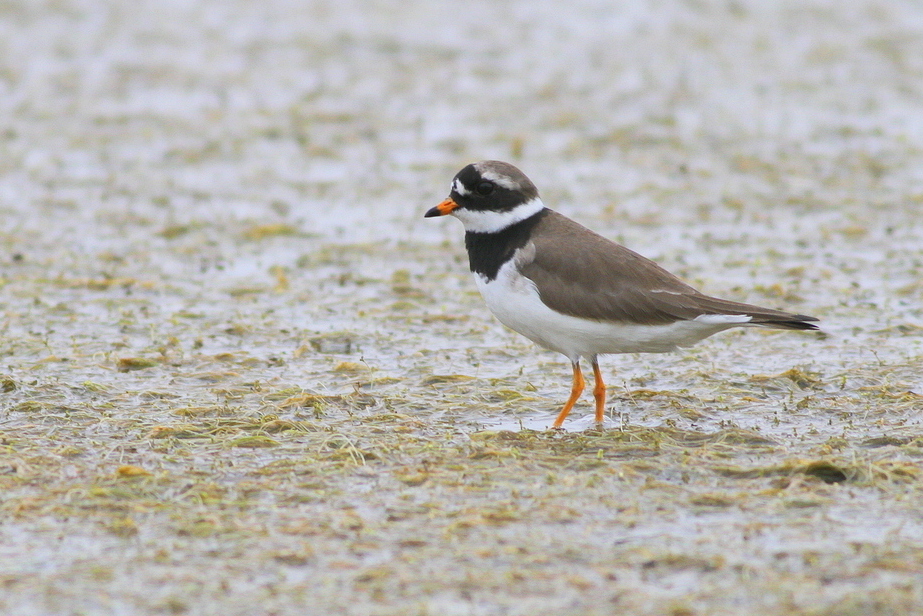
(484, 221)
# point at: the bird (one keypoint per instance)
(571, 290)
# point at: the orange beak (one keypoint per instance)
(446, 207)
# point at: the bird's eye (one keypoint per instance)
(485, 188)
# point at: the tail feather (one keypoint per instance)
(764, 317)
(795, 321)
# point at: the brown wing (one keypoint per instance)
(583, 274)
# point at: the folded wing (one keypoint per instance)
(601, 280)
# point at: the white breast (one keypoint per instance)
(515, 301)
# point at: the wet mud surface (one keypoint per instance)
(240, 373)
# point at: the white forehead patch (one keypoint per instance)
(490, 221)
(500, 180)
(458, 187)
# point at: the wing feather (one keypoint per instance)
(582, 274)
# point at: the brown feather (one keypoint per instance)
(582, 274)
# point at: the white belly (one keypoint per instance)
(514, 300)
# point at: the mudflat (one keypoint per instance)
(240, 374)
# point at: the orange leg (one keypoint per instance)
(575, 392)
(599, 392)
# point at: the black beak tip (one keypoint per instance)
(432, 212)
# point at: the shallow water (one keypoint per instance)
(239, 368)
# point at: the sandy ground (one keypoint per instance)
(240, 374)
